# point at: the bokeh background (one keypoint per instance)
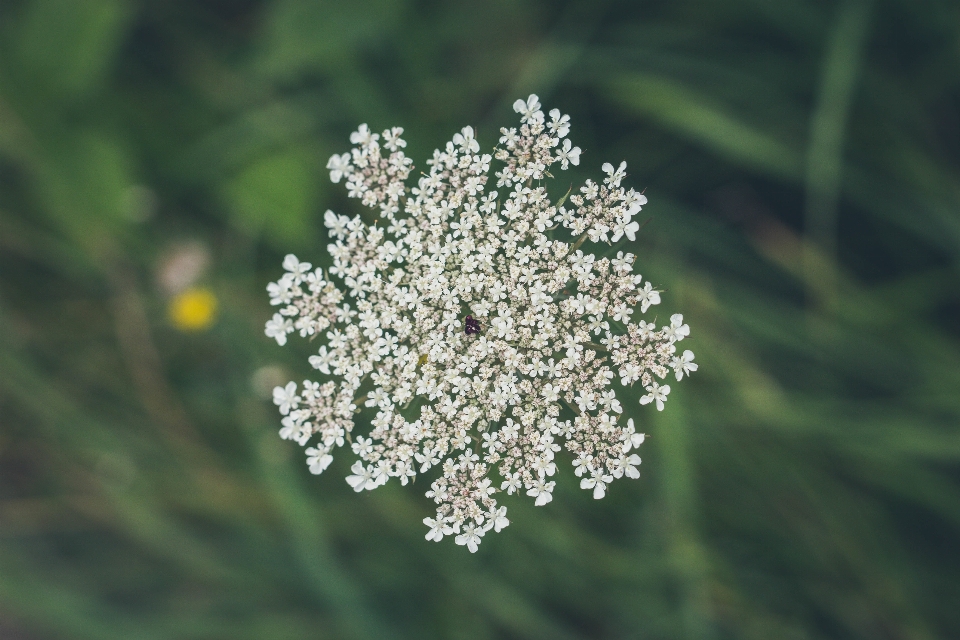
(802, 161)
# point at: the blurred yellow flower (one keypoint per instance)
(193, 310)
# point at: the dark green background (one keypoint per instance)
(802, 161)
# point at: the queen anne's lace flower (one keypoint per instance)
(470, 329)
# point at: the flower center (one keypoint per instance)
(471, 325)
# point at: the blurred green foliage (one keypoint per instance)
(803, 165)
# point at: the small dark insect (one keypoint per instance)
(471, 325)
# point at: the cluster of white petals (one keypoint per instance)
(553, 326)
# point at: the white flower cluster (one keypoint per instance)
(481, 342)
